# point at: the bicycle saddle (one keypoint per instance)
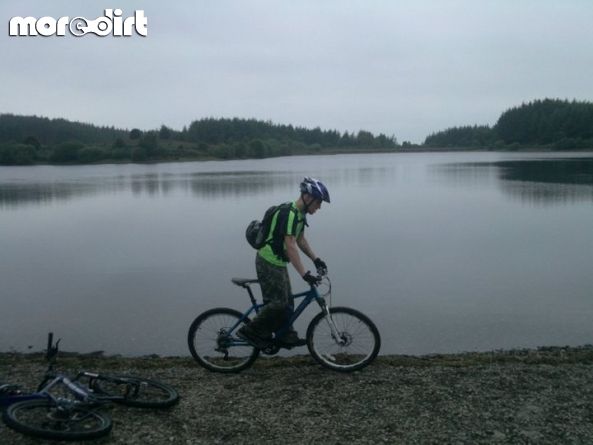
(244, 281)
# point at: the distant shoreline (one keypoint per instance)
(548, 124)
(324, 153)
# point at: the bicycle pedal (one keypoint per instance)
(290, 345)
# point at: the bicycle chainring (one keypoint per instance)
(271, 349)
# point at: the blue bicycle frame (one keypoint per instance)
(13, 394)
(308, 297)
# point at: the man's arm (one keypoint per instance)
(292, 253)
(304, 246)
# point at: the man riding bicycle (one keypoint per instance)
(285, 235)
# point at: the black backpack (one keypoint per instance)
(257, 231)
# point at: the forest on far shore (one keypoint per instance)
(550, 124)
(38, 140)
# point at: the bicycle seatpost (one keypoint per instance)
(50, 343)
(52, 351)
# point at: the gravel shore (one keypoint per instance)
(529, 396)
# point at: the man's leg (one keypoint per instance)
(277, 295)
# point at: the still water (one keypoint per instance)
(445, 252)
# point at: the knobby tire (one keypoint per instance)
(136, 391)
(42, 418)
(357, 347)
(208, 335)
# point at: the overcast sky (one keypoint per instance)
(403, 68)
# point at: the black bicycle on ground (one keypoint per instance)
(65, 408)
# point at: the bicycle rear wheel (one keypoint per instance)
(43, 418)
(356, 346)
(135, 391)
(215, 347)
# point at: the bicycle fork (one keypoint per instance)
(330, 321)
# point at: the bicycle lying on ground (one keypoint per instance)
(67, 409)
(339, 338)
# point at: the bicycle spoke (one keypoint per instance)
(42, 418)
(135, 391)
(356, 345)
(214, 346)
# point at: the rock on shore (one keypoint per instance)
(531, 396)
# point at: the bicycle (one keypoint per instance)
(339, 338)
(65, 408)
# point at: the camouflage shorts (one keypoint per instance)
(274, 283)
(277, 296)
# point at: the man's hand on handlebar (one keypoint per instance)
(311, 279)
(320, 266)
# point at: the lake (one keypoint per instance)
(446, 252)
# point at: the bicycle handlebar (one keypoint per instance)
(322, 272)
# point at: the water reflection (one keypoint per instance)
(13, 195)
(537, 181)
(542, 181)
(238, 184)
(555, 171)
(205, 185)
(208, 185)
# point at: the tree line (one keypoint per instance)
(549, 123)
(32, 139)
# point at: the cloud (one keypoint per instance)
(403, 68)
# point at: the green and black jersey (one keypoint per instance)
(288, 220)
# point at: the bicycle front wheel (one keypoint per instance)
(135, 391)
(355, 345)
(213, 343)
(43, 418)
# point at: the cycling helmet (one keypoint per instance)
(315, 188)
